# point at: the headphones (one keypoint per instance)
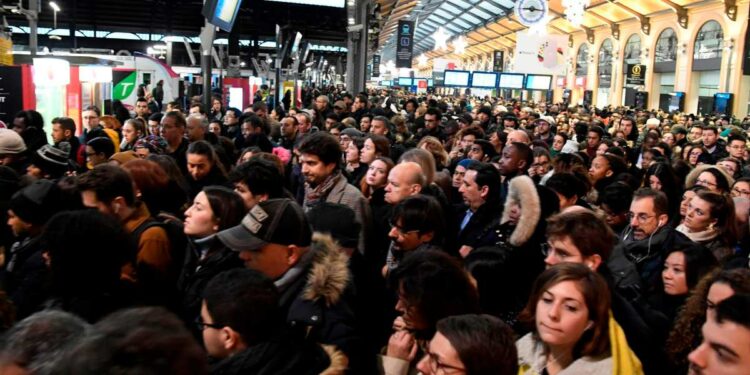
(662, 222)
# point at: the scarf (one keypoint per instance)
(699, 237)
(313, 195)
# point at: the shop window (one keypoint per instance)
(605, 64)
(582, 61)
(666, 46)
(709, 41)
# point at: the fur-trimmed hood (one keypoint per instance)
(329, 273)
(693, 175)
(522, 191)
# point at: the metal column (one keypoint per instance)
(356, 44)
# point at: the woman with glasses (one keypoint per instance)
(569, 311)
(710, 221)
(472, 345)
(711, 177)
(741, 188)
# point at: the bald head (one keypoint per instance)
(519, 136)
(404, 180)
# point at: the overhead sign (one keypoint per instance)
(636, 75)
(497, 63)
(405, 44)
(376, 65)
(438, 78)
(541, 54)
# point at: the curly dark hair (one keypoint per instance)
(686, 332)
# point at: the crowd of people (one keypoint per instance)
(375, 233)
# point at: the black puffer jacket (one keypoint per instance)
(283, 356)
(26, 277)
(197, 272)
(318, 300)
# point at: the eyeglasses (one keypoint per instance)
(201, 325)
(401, 231)
(642, 218)
(704, 183)
(741, 193)
(436, 365)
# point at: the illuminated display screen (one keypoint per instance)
(538, 82)
(458, 78)
(511, 81)
(484, 80)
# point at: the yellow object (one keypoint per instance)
(624, 362)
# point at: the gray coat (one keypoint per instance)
(348, 195)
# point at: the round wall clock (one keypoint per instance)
(531, 12)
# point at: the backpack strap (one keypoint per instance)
(148, 223)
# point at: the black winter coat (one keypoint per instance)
(26, 278)
(196, 273)
(280, 356)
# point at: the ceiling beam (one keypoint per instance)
(613, 26)
(682, 14)
(645, 21)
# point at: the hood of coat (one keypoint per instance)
(522, 191)
(329, 274)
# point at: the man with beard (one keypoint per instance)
(639, 257)
(320, 154)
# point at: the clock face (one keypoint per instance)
(531, 12)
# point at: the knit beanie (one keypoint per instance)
(36, 203)
(53, 160)
(11, 142)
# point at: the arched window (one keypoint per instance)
(605, 64)
(632, 53)
(666, 46)
(709, 41)
(582, 60)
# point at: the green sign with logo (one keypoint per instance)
(125, 84)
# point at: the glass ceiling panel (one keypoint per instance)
(460, 3)
(454, 29)
(492, 8)
(443, 14)
(470, 18)
(462, 23)
(506, 3)
(450, 8)
(479, 13)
